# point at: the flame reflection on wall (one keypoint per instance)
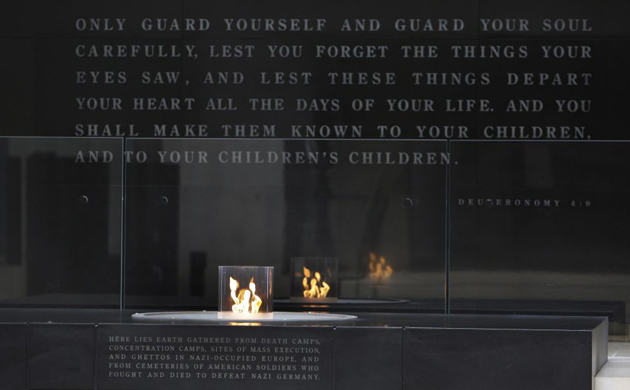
(245, 300)
(379, 268)
(312, 289)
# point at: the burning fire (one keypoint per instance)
(379, 269)
(312, 289)
(245, 301)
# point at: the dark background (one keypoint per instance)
(180, 221)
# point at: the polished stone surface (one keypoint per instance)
(166, 357)
(111, 316)
(213, 212)
(212, 317)
(61, 356)
(13, 356)
(476, 359)
(366, 358)
(385, 350)
(614, 310)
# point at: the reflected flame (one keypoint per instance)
(379, 269)
(245, 301)
(244, 323)
(312, 289)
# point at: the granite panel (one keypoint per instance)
(497, 359)
(13, 357)
(61, 356)
(368, 358)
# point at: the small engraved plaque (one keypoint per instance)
(217, 357)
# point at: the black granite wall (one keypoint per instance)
(504, 122)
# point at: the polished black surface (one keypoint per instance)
(614, 311)
(110, 316)
(13, 359)
(366, 358)
(63, 218)
(252, 210)
(572, 249)
(38, 32)
(61, 356)
(374, 351)
(151, 235)
(605, 19)
(501, 359)
(231, 357)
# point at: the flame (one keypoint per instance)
(312, 289)
(379, 269)
(245, 301)
(245, 323)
